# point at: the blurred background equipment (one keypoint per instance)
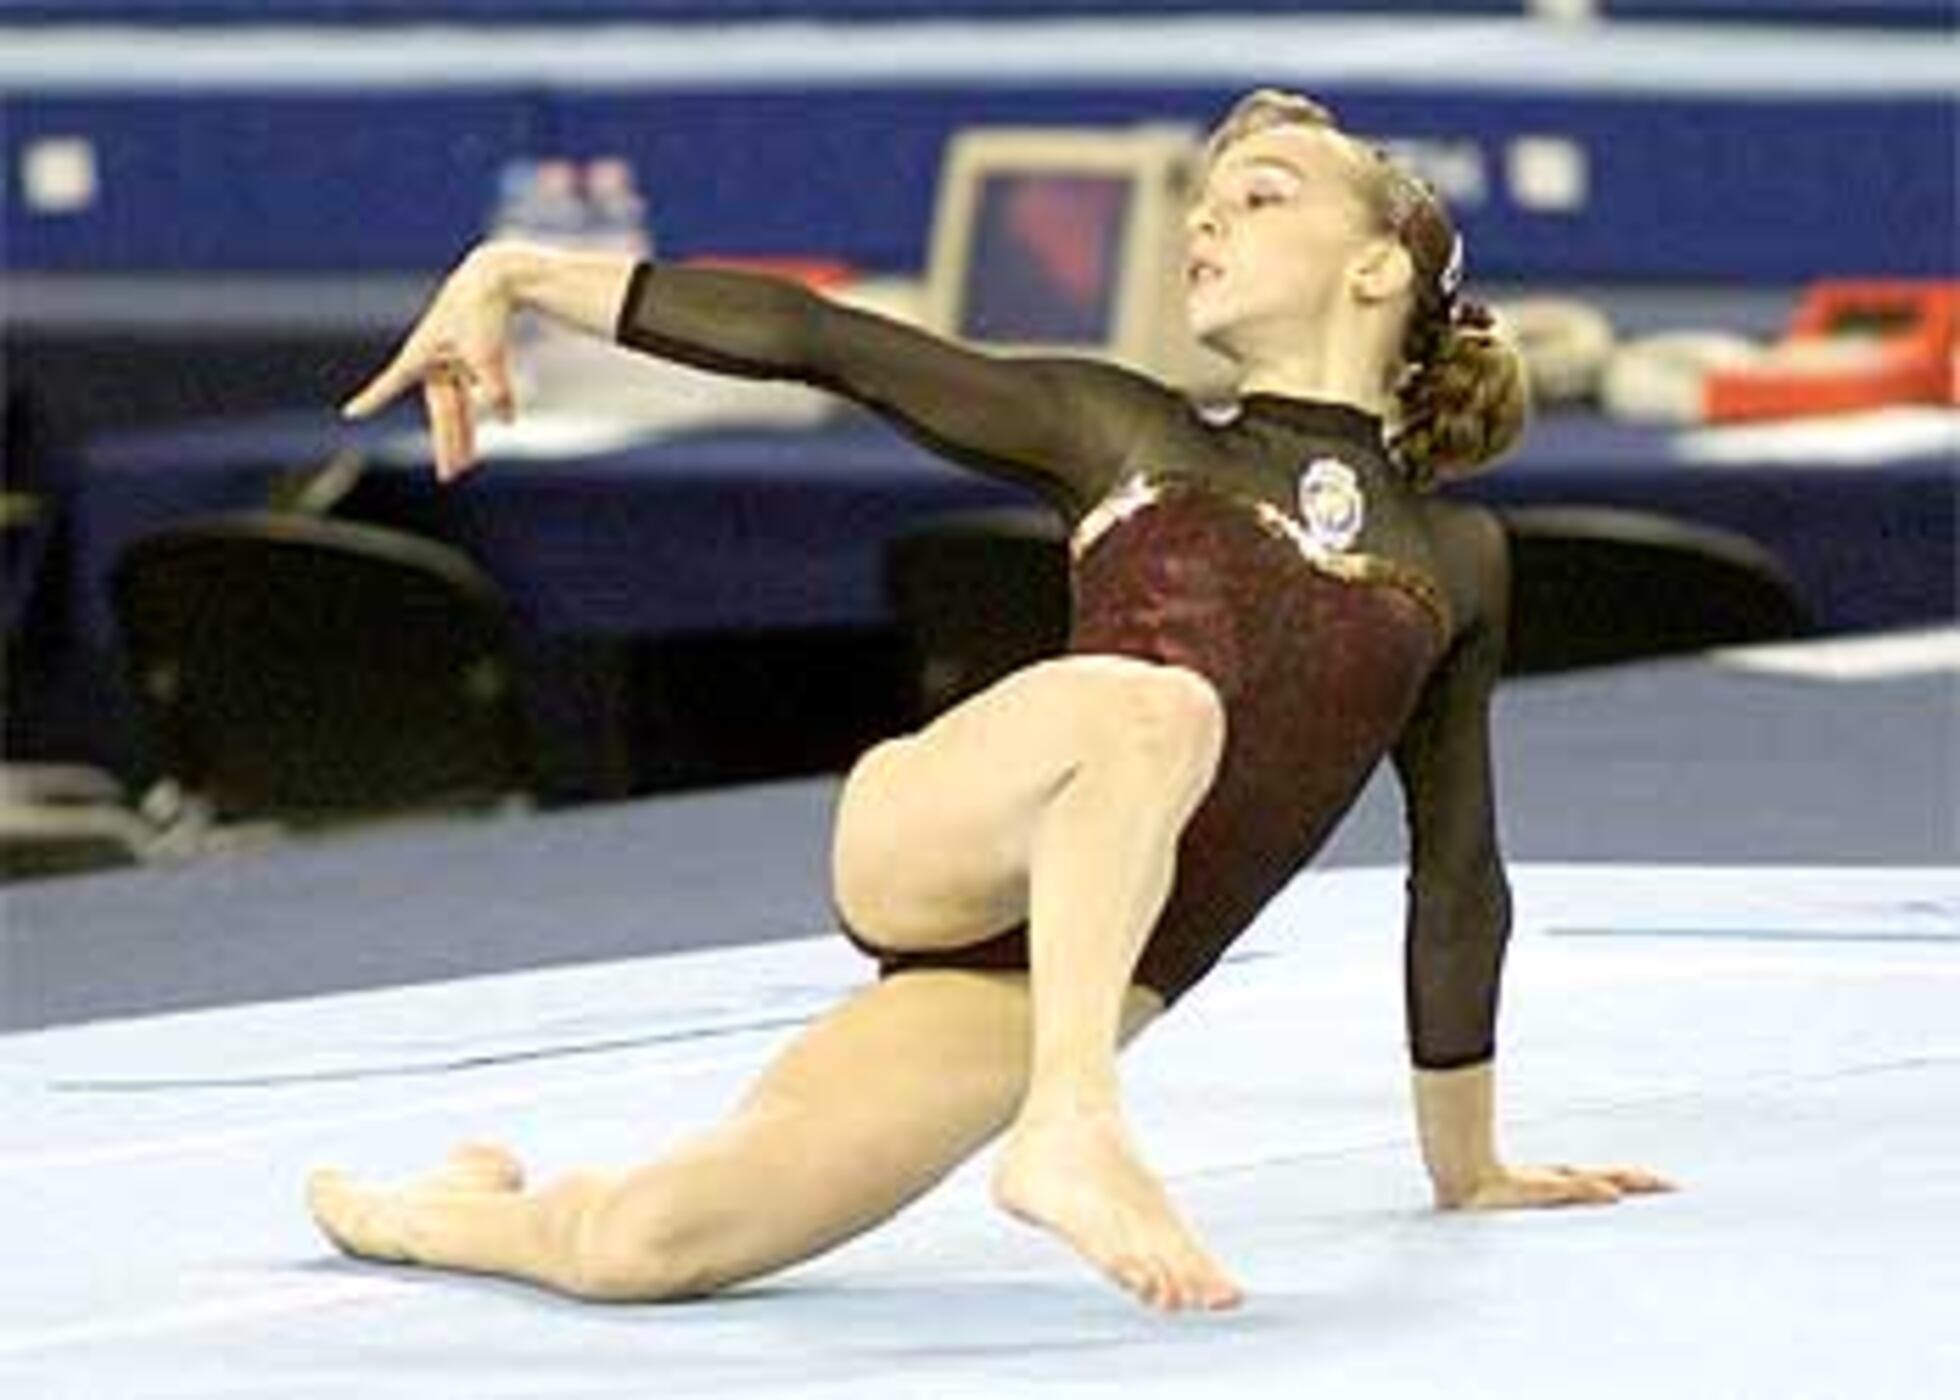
(65, 819)
(1057, 241)
(1663, 377)
(1851, 345)
(977, 594)
(1566, 343)
(981, 593)
(1596, 586)
(296, 672)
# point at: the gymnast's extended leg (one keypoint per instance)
(864, 1111)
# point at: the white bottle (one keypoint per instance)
(510, 212)
(616, 212)
(562, 216)
(553, 358)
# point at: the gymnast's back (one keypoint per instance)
(1086, 435)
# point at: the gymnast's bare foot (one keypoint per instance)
(372, 1222)
(1078, 1176)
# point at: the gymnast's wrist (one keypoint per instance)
(508, 268)
(1455, 1117)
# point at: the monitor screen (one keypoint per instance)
(1046, 265)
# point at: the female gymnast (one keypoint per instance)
(1265, 606)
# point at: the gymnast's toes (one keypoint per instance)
(483, 1166)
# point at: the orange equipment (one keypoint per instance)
(1851, 345)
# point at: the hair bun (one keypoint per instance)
(1464, 407)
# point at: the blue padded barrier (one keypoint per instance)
(1742, 155)
(1912, 13)
(1681, 188)
(675, 11)
(1898, 14)
(268, 181)
(1753, 189)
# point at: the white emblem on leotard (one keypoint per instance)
(1331, 504)
(1135, 492)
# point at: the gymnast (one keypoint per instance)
(1265, 605)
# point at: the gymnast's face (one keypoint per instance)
(1271, 237)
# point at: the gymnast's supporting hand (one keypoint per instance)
(1455, 1112)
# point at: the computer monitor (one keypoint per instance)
(1069, 241)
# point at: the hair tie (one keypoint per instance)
(1450, 281)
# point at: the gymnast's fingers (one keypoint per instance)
(385, 387)
(1567, 1185)
(442, 435)
(493, 373)
(447, 403)
(1635, 1180)
(466, 422)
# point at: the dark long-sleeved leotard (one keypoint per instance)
(1276, 551)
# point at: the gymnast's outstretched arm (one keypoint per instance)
(1459, 912)
(1061, 425)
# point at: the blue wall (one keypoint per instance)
(1717, 154)
(1748, 189)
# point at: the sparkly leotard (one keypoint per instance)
(1317, 666)
(1276, 552)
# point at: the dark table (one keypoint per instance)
(733, 530)
(654, 577)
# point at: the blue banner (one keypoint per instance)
(1546, 185)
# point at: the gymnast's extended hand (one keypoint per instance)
(459, 352)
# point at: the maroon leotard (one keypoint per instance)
(1318, 621)
(1317, 673)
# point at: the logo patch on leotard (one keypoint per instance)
(1331, 504)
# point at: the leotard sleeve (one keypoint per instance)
(1459, 900)
(1063, 426)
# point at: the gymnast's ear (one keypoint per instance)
(1381, 269)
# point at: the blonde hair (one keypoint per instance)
(1461, 392)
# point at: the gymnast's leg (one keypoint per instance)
(1057, 796)
(1084, 768)
(863, 1112)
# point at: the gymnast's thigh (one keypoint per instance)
(935, 831)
